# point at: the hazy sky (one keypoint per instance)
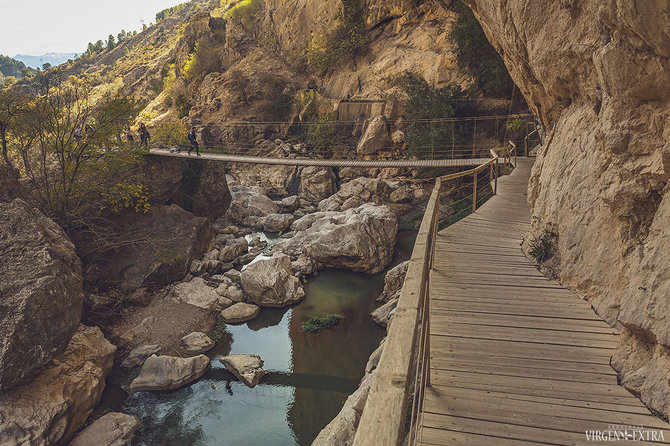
(35, 27)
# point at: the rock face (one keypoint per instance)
(41, 294)
(361, 239)
(247, 368)
(200, 187)
(173, 238)
(393, 281)
(52, 407)
(169, 372)
(270, 282)
(112, 429)
(376, 138)
(596, 75)
(317, 183)
(138, 355)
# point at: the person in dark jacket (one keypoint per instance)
(144, 135)
(194, 142)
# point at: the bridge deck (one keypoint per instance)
(459, 162)
(515, 358)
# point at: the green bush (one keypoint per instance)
(218, 332)
(321, 134)
(317, 323)
(170, 134)
(542, 249)
(168, 12)
(244, 10)
(344, 42)
(425, 104)
(475, 54)
(203, 60)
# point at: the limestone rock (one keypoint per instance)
(240, 312)
(169, 372)
(277, 222)
(233, 249)
(41, 294)
(393, 281)
(198, 293)
(357, 192)
(197, 342)
(137, 356)
(290, 204)
(382, 315)
(376, 137)
(231, 291)
(247, 368)
(401, 195)
(52, 407)
(247, 203)
(361, 239)
(112, 429)
(270, 282)
(317, 183)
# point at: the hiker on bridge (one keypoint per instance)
(144, 135)
(194, 142)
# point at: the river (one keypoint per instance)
(310, 375)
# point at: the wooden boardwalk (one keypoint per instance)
(515, 358)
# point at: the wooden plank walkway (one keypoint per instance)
(249, 159)
(515, 358)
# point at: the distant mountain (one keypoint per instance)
(10, 67)
(51, 58)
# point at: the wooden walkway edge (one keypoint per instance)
(516, 359)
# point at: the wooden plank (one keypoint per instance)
(494, 319)
(443, 437)
(443, 376)
(487, 406)
(438, 354)
(514, 349)
(454, 365)
(563, 311)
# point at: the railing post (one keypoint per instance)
(495, 187)
(474, 193)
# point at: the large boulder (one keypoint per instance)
(52, 407)
(169, 372)
(198, 293)
(270, 282)
(277, 222)
(137, 356)
(356, 192)
(41, 294)
(247, 368)
(376, 137)
(112, 429)
(247, 203)
(361, 239)
(165, 241)
(317, 183)
(240, 312)
(197, 342)
(232, 249)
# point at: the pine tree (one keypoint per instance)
(111, 43)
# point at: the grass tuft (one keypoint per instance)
(317, 323)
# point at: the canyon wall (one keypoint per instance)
(596, 74)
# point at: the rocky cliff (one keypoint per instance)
(597, 74)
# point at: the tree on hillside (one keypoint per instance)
(12, 105)
(67, 147)
(10, 66)
(122, 36)
(111, 42)
(99, 46)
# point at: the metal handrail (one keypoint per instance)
(384, 418)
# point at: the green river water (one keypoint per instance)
(310, 375)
